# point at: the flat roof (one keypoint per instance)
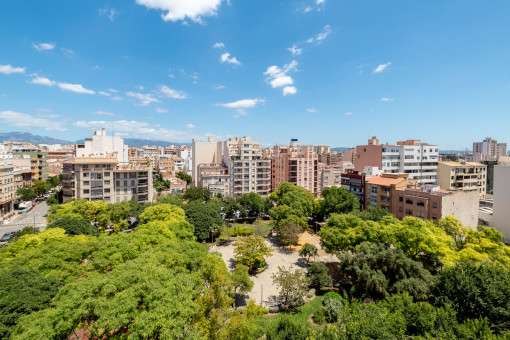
(378, 180)
(463, 164)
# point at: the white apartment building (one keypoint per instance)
(489, 149)
(101, 145)
(419, 160)
(501, 207)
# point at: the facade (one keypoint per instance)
(366, 155)
(214, 177)
(38, 163)
(7, 188)
(105, 179)
(489, 149)
(295, 164)
(355, 182)
(465, 176)
(489, 190)
(329, 176)
(501, 207)
(380, 190)
(431, 203)
(101, 145)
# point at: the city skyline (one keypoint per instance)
(321, 71)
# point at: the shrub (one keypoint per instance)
(319, 317)
(319, 275)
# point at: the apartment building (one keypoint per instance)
(101, 145)
(366, 155)
(329, 176)
(7, 188)
(501, 206)
(489, 149)
(295, 164)
(355, 182)
(104, 178)
(465, 176)
(249, 170)
(214, 177)
(432, 203)
(380, 190)
(38, 163)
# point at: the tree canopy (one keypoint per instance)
(74, 226)
(205, 218)
(337, 200)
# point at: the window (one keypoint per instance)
(86, 191)
(374, 189)
(86, 182)
(420, 203)
(106, 174)
(434, 205)
(401, 199)
(97, 192)
(400, 209)
(409, 212)
(95, 175)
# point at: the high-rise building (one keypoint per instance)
(295, 164)
(489, 149)
(501, 208)
(464, 176)
(104, 178)
(101, 145)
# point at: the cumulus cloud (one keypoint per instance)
(225, 58)
(77, 88)
(105, 113)
(143, 98)
(175, 10)
(278, 77)
(219, 45)
(42, 81)
(8, 69)
(382, 67)
(295, 50)
(311, 109)
(110, 13)
(219, 87)
(24, 120)
(241, 105)
(190, 126)
(326, 30)
(138, 129)
(103, 93)
(167, 92)
(160, 110)
(385, 99)
(44, 46)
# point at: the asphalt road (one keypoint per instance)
(36, 216)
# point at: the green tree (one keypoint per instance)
(74, 226)
(54, 181)
(375, 214)
(200, 194)
(41, 187)
(204, 218)
(160, 184)
(379, 270)
(308, 250)
(289, 234)
(291, 200)
(25, 231)
(253, 203)
(162, 212)
(241, 280)
(293, 285)
(476, 291)
(284, 327)
(337, 200)
(23, 291)
(26, 193)
(251, 252)
(319, 275)
(184, 176)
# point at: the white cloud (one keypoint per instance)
(8, 69)
(176, 10)
(243, 104)
(225, 58)
(160, 110)
(105, 113)
(109, 12)
(117, 98)
(139, 87)
(348, 113)
(307, 9)
(295, 50)
(190, 126)
(44, 110)
(42, 81)
(219, 87)
(289, 90)
(77, 88)
(103, 93)
(382, 67)
(112, 90)
(326, 30)
(171, 75)
(67, 52)
(320, 2)
(45, 115)
(23, 120)
(311, 109)
(219, 45)
(137, 129)
(145, 99)
(385, 99)
(278, 77)
(44, 46)
(167, 92)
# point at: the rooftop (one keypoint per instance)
(463, 164)
(385, 180)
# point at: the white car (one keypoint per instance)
(47, 195)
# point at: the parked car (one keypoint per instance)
(6, 237)
(47, 195)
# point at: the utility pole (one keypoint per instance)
(261, 293)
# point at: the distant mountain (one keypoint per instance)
(340, 149)
(30, 138)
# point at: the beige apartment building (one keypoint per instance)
(432, 203)
(463, 176)
(295, 164)
(7, 188)
(381, 190)
(214, 177)
(103, 178)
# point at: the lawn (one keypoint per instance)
(259, 227)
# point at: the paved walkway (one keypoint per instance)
(36, 216)
(263, 288)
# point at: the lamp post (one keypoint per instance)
(262, 293)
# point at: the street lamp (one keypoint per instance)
(261, 293)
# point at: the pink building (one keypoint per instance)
(368, 155)
(295, 164)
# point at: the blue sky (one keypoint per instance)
(324, 71)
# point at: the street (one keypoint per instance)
(35, 216)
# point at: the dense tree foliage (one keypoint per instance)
(251, 252)
(160, 184)
(375, 214)
(74, 226)
(205, 218)
(184, 176)
(25, 231)
(289, 233)
(293, 285)
(308, 250)
(23, 291)
(336, 200)
(41, 187)
(253, 203)
(200, 194)
(26, 193)
(319, 275)
(293, 204)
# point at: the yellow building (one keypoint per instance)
(465, 176)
